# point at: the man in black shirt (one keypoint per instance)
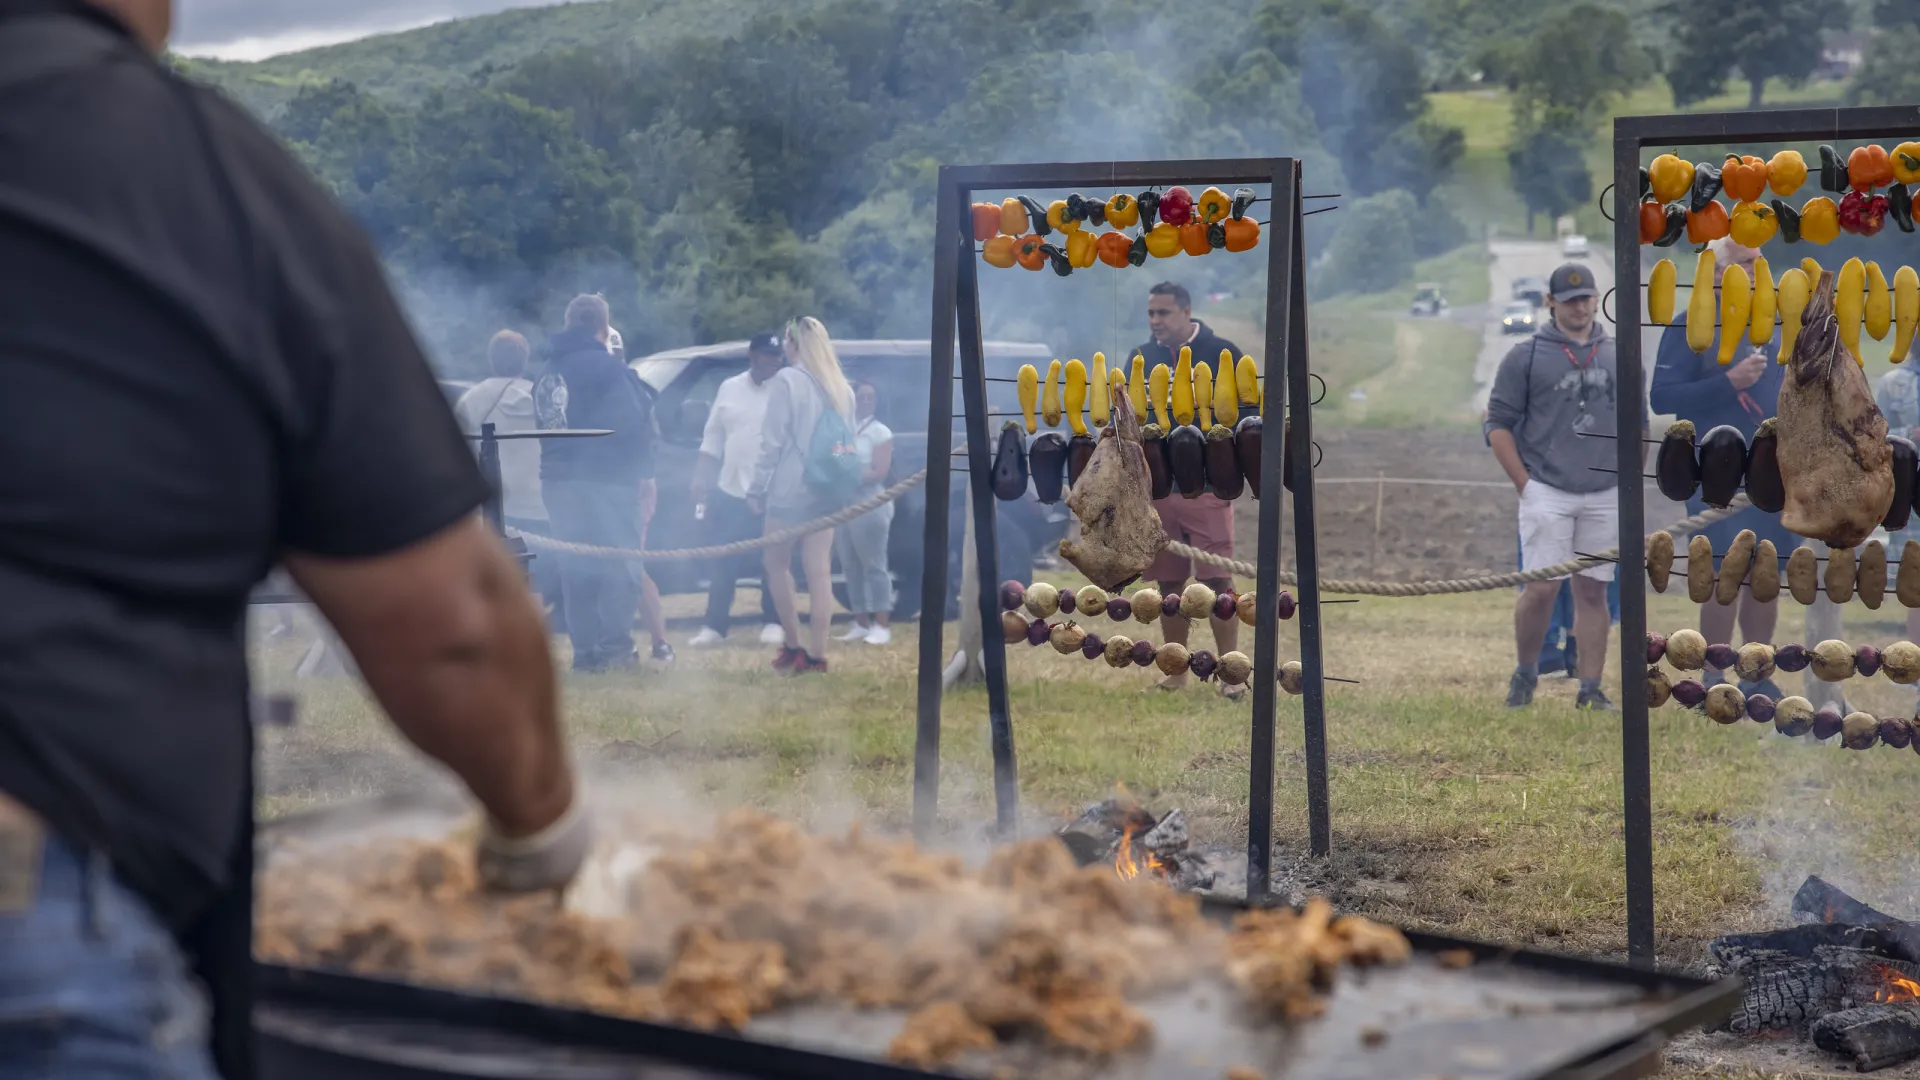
(206, 375)
(595, 488)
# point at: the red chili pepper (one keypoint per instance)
(1862, 214)
(1653, 221)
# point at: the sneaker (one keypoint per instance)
(856, 632)
(1712, 678)
(1520, 689)
(663, 652)
(771, 634)
(788, 658)
(1593, 699)
(879, 635)
(807, 665)
(1762, 686)
(707, 636)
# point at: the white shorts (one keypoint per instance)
(1555, 524)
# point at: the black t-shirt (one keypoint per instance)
(1206, 346)
(204, 368)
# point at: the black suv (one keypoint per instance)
(686, 379)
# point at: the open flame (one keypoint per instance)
(1898, 987)
(1128, 867)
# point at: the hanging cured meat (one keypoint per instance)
(1120, 533)
(1834, 459)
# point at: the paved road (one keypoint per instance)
(1514, 259)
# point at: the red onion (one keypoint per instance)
(1170, 604)
(1826, 722)
(1866, 660)
(1722, 657)
(1791, 658)
(1226, 606)
(1038, 632)
(1202, 664)
(1012, 595)
(1144, 653)
(1656, 647)
(1896, 732)
(1760, 708)
(1284, 606)
(1689, 692)
(1119, 609)
(1093, 648)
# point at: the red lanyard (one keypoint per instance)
(1575, 361)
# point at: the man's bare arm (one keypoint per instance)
(1507, 453)
(447, 636)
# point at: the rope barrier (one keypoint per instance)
(1457, 585)
(1232, 566)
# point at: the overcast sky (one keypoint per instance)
(251, 29)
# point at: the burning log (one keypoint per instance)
(1124, 834)
(1740, 953)
(1822, 902)
(1795, 995)
(1872, 1036)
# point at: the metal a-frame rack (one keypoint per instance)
(956, 322)
(1631, 136)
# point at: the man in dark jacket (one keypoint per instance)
(1205, 521)
(1694, 386)
(594, 487)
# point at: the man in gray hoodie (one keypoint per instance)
(1552, 393)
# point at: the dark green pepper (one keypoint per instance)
(1076, 207)
(1789, 219)
(1149, 208)
(1646, 182)
(1706, 184)
(1137, 251)
(1037, 213)
(1833, 171)
(1900, 205)
(1095, 211)
(1061, 265)
(1242, 200)
(1217, 235)
(1676, 226)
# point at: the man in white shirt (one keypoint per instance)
(505, 400)
(728, 449)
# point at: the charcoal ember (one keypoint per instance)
(1896, 731)
(1871, 1036)
(1866, 660)
(1721, 657)
(1760, 708)
(1826, 722)
(1656, 647)
(1791, 658)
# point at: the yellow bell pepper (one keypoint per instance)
(998, 252)
(1819, 220)
(1163, 241)
(1906, 162)
(1786, 171)
(1752, 225)
(1076, 396)
(1082, 247)
(1213, 205)
(1123, 211)
(1670, 177)
(1058, 218)
(1013, 217)
(1098, 403)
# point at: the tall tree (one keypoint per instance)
(1575, 64)
(1887, 75)
(1762, 39)
(1549, 167)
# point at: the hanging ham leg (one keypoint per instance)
(1119, 529)
(1834, 458)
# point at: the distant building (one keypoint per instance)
(1840, 56)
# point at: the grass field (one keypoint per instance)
(1449, 811)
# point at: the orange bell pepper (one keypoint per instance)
(1013, 217)
(1819, 220)
(1745, 179)
(986, 221)
(1113, 248)
(998, 250)
(1869, 167)
(1653, 221)
(1243, 234)
(1026, 251)
(1193, 238)
(1708, 223)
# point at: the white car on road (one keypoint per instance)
(1574, 246)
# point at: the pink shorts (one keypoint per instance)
(1204, 522)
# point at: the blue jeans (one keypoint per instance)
(862, 545)
(91, 984)
(601, 593)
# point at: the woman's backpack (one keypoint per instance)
(833, 461)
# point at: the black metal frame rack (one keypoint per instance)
(956, 321)
(1631, 136)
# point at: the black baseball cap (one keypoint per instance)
(764, 343)
(1571, 282)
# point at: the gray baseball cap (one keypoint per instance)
(1571, 282)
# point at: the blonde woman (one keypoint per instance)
(796, 480)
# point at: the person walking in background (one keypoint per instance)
(801, 476)
(1550, 394)
(594, 487)
(505, 400)
(862, 542)
(1204, 521)
(729, 450)
(652, 614)
(1697, 387)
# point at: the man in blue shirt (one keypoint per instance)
(1694, 386)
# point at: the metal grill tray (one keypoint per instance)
(1514, 1014)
